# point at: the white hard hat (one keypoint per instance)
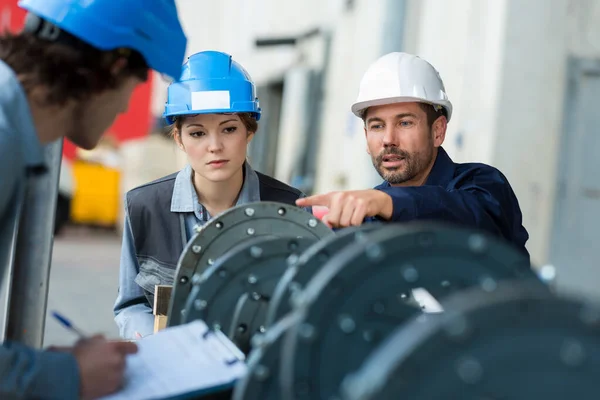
(399, 78)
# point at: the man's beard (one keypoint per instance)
(414, 164)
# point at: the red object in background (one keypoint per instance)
(11, 16)
(135, 123)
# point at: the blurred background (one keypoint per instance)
(523, 75)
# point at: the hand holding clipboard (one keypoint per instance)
(182, 362)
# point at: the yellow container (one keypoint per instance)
(96, 197)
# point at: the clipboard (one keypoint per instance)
(228, 347)
(183, 362)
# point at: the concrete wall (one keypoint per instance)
(529, 116)
(583, 30)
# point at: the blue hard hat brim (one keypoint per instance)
(170, 118)
(234, 92)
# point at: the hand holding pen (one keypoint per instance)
(67, 324)
(101, 363)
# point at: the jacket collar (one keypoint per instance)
(185, 198)
(442, 171)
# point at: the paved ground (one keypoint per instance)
(83, 283)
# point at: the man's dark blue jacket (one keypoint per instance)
(472, 194)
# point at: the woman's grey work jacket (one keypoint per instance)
(159, 221)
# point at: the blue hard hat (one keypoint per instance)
(151, 27)
(212, 82)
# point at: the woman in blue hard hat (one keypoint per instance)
(69, 72)
(213, 112)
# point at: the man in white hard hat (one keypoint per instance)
(405, 109)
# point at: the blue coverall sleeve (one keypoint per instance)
(433, 202)
(132, 311)
(26, 373)
(486, 203)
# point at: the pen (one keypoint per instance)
(67, 324)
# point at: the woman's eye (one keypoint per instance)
(231, 129)
(196, 134)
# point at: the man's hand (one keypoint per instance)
(352, 207)
(101, 365)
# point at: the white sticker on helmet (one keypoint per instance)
(210, 100)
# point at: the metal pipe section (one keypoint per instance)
(394, 26)
(306, 173)
(6, 279)
(33, 254)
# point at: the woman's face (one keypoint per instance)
(215, 144)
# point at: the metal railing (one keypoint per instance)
(26, 293)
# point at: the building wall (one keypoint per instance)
(233, 26)
(342, 159)
(529, 117)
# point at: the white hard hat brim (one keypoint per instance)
(359, 107)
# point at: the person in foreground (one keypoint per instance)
(70, 72)
(213, 113)
(405, 109)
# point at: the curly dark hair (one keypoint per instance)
(70, 72)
